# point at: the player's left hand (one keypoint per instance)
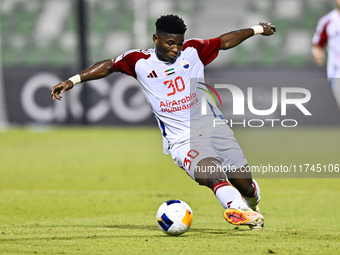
(268, 28)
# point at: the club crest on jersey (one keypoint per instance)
(185, 65)
(169, 71)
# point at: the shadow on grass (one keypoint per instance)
(155, 228)
(189, 234)
(196, 230)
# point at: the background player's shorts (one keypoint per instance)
(335, 85)
(221, 144)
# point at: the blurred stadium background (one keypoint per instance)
(40, 46)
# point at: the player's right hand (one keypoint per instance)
(61, 88)
(319, 55)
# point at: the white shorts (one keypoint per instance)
(221, 144)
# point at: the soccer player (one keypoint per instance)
(165, 74)
(328, 33)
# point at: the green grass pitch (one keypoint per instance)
(97, 190)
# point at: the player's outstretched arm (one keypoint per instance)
(96, 71)
(234, 38)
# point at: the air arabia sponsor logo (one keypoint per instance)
(178, 105)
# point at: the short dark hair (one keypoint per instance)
(171, 24)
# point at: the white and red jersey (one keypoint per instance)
(328, 33)
(167, 87)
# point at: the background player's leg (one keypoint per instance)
(335, 85)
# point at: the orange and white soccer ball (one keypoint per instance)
(174, 217)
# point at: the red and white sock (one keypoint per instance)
(228, 196)
(253, 201)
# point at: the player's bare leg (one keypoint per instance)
(242, 180)
(210, 174)
(209, 178)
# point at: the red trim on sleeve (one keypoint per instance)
(126, 62)
(207, 49)
(323, 36)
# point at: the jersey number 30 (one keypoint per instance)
(175, 85)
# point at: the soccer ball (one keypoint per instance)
(174, 217)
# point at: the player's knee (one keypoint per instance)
(208, 172)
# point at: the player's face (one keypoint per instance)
(168, 46)
(338, 3)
